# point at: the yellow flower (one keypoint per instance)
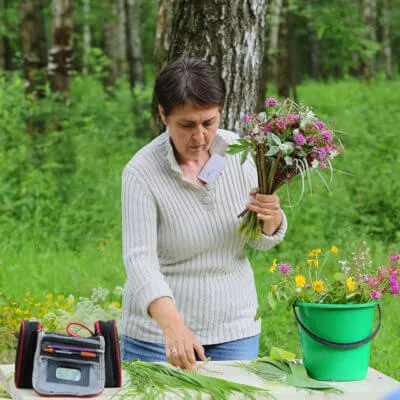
(273, 266)
(297, 266)
(334, 249)
(49, 297)
(312, 262)
(314, 253)
(318, 286)
(274, 287)
(351, 285)
(300, 280)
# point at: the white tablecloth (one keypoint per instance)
(374, 387)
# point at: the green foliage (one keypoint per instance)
(60, 215)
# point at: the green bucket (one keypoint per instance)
(336, 339)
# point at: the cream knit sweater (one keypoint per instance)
(180, 240)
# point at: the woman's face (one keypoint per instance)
(192, 130)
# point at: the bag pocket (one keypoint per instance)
(27, 339)
(63, 375)
(112, 356)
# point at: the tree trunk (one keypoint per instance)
(60, 58)
(87, 38)
(369, 18)
(274, 37)
(387, 48)
(34, 50)
(163, 32)
(291, 46)
(115, 41)
(230, 37)
(6, 52)
(2, 23)
(135, 49)
(283, 77)
(161, 47)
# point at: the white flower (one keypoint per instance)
(262, 116)
(288, 160)
(296, 131)
(314, 164)
(333, 154)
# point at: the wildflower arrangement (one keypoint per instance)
(355, 280)
(285, 140)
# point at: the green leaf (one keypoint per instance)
(244, 156)
(272, 151)
(236, 148)
(258, 314)
(271, 300)
(280, 354)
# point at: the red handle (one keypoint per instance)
(70, 333)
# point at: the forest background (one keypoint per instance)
(76, 81)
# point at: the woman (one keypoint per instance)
(190, 290)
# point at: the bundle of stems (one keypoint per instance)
(270, 178)
(153, 381)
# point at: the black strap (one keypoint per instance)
(335, 344)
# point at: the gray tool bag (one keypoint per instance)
(69, 366)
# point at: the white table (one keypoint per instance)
(374, 387)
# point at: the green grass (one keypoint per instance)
(61, 218)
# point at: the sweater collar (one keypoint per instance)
(218, 145)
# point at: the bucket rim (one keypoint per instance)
(336, 306)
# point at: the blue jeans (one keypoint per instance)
(241, 349)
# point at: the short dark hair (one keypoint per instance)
(189, 80)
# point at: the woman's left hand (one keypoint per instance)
(268, 210)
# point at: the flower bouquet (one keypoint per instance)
(286, 140)
(335, 308)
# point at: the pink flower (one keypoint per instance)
(299, 139)
(246, 118)
(327, 136)
(285, 269)
(319, 125)
(373, 282)
(394, 257)
(311, 139)
(281, 123)
(394, 284)
(291, 119)
(321, 153)
(267, 127)
(271, 102)
(376, 294)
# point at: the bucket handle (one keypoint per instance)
(335, 344)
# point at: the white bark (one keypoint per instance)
(229, 36)
(135, 43)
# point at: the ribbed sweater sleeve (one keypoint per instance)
(139, 242)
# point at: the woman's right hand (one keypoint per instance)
(178, 336)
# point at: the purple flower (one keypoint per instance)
(321, 153)
(246, 118)
(311, 139)
(319, 125)
(376, 294)
(285, 269)
(267, 127)
(299, 139)
(394, 284)
(327, 136)
(394, 257)
(271, 102)
(281, 123)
